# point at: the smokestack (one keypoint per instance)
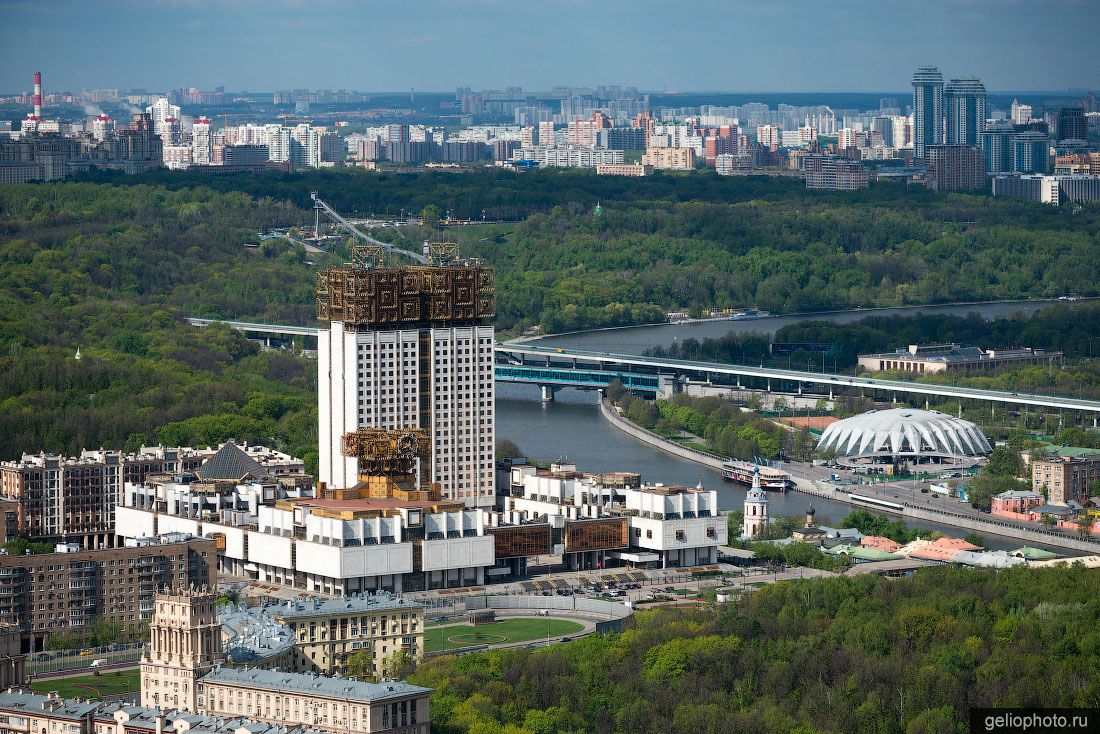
(38, 95)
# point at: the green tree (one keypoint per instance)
(508, 449)
(430, 217)
(1004, 462)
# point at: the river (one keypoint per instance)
(571, 428)
(636, 339)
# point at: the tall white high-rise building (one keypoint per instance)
(1021, 113)
(277, 140)
(162, 110)
(768, 135)
(410, 347)
(202, 142)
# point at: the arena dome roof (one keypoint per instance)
(904, 432)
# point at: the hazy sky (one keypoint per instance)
(674, 45)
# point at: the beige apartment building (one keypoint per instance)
(670, 159)
(182, 669)
(184, 645)
(333, 705)
(623, 169)
(1066, 478)
(318, 636)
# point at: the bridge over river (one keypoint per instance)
(553, 367)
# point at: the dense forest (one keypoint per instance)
(110, 266)
(700, 241)
(846, 655)
(112, 271)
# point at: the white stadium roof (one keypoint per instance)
(904, 432)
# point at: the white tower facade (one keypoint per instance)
(378, 370)
(202, 142)
(756, 509)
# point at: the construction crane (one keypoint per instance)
(373, 251)
(225, 118)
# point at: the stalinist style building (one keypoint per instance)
(184, 645)
(410, 347)
(181, 672)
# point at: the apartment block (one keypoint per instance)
(831, 172)
(670, 159)
(72, 499)
(318, 636)
(63, 591)
(1066, 478)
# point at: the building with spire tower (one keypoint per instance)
(756, 509)
(184, 645)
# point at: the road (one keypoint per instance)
(907, 491)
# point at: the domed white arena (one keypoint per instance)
(905, 435)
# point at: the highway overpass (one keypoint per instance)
(552, 368)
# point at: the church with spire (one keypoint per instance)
(756, 509)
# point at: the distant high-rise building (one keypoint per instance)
(103, 127)
(927, 109)
(831, 172)
(621, 138)
(161, 111)
(1072, 124)
(546, 134)
(1021, 113)
(1030, 152)
(202, 142)
(997, 145)
(955, 167)
(847, 138)
(964, 99)
(768, 136)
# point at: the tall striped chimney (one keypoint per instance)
(38, 95)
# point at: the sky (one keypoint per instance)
(436, 45)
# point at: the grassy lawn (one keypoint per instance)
(93, 686)
(519, 629)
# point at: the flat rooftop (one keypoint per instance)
(313, 685)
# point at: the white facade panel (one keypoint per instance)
(134, 523)
(234, 539)
(661, 535)
(173, 524)
(274, 550)
(458, 553)
(463, 435)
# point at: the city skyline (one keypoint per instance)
(248, 46)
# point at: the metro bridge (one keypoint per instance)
(552, 368)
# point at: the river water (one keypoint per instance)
(571, 428)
